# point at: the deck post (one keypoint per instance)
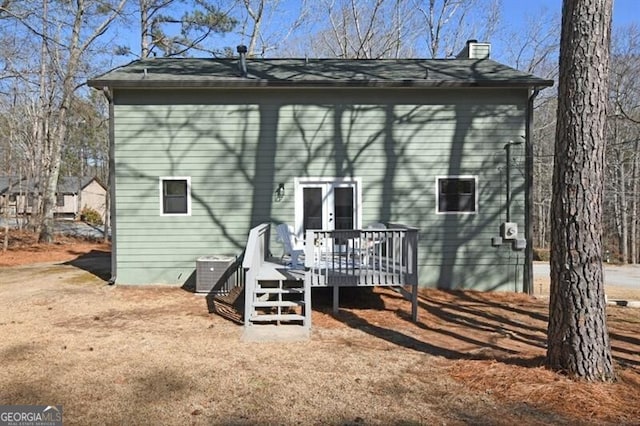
(414, 302)
(336, 298)
(412, 269)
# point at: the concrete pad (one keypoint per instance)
(275, 333)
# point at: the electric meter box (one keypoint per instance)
(509, 230)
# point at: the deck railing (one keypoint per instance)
(370, 257)
(254, 256)
(365, 257)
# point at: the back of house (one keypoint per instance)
(206, 149)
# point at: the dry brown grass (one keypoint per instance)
(155, 355)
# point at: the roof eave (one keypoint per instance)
(261, 83)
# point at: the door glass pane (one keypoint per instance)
(312, 210)
(343, 207)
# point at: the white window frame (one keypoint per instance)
(469, 177)
(165, 178)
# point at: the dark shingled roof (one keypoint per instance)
(66, 184)
(4, 182)
(211, 72)
(73, 184)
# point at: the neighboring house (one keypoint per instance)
(19, 195)
(206, 149)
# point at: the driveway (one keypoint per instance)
(614, 275)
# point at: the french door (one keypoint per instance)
(327, 203)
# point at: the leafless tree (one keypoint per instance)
(449, 23)
(352, 29)
(65, 33)
(267, 25)
(175, 28)
(623, 146)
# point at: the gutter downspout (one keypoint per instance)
(528, 198)
(112, 187)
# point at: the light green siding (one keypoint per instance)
(237, 145)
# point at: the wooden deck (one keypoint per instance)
(276, 270)
(275, 292)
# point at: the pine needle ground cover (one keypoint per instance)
(119, 354)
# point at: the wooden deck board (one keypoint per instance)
(272, 271)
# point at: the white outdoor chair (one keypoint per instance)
(292, 245)
(372, 245)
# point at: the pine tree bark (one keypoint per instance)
(578, 339)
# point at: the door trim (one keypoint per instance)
(302, 182)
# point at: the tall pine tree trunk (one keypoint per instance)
(634, 205)
(578, 340)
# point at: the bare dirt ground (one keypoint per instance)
(134, 355)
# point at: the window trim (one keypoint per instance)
(162, 179)
(476, 192)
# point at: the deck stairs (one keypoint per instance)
(279, 297)
(275, 294)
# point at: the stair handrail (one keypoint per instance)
(254, 256)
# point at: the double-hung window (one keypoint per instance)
(456, 194)
(175, 196)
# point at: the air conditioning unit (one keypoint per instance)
(213, 274)
(509, 230)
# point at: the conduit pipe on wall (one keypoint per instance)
(528, 199)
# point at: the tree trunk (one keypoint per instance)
(144, 29)
(256, 17)
(578, 340)
(623, 236)
(51, 160)
(634, 205)
(49, 198)
(42, 123)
